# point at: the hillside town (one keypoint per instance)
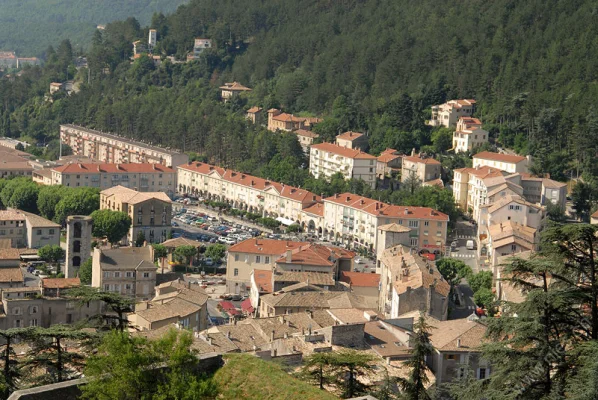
(178, 216)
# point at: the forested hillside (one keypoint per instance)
(29, 26)
(369, 65)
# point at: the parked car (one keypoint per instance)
(208, 262)
(236, 297)
(470, 245)
(358, 260)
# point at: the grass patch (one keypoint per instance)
(247, 377)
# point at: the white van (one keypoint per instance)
(470, 245)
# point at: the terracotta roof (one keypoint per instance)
(306, 133)
(388, 150)
(313, 278)
(385, 158)
(383, 342)
(284, 117)
(35, 221)
(289, 324)
(315, 209)
(434, 182)
(506, 158)
(482, 172)
(470, 121)
(202, 168)
(394, 228)
(421, 272)
(314, 254)
(60, 283)
(352, 315)
(12, 215)
(127, 258)
(497, 205)
(320, 299)
(5, 243)
(360, 279)
(235, 87)
(350, 135)
(342, 151)
(456, 335)
(419, 160)
(264, 246)
(508, 185)
(10, 254)
(551, 184)
(176, 308)
(378, 208)
(263, 280)
(181, 241)
(254, 110)
(130, 196)
(244, 336)
(14, 275)
(95, 168)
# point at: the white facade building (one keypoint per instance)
(327, 159)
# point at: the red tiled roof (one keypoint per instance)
(284, 117)
(360, 279)
(235, 87)
(112, 168)
(246, 306)
(387, 157)
(226, 305)
(265, 246)
(254, 109)
(263, 280)
(202, 168)
(343, 151)
(315, 209)
(350, 135)
(60, 283)
(389, 151)
(378, 208)
(306, 133)
(482, 172)
(315, 254)
(418, 159)
(488, 155)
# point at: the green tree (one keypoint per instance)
(442, 139)
(216, 251)
(12, 369)
(555, 213)
(349, 366)
(140, 239)
(482, 279)
(79, 201)
(117, 306)
(293, 228)
(114, 225)
(582, 197)
(85, 272)
(52, 255)
(484, 298)
(453, 270)
(185, 254)
(47, 199)
(160, 251)
(317, 368)
(414, 387)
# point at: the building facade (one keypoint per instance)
(150, 212)
(231, 90)
(420, 166)
(110, 148)
(327, 159)
(469, 135)
(504, 162)
(25, 229)
(352, 140)
(448, 114)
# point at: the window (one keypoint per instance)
(413, 242)
(33, 310)
(267, 260)
(483, 373)
(146, 274)
(106, 287)
(236, 257)
(371, 169)
(439, 224)
(426, 233)
(77, 246)
(128, 286)
(51, 232)
(413, 224)
(426, 223)
(438, 233)
(77, 230)
(129, 274)
(17, 323)
(16, 311)
(449, 356)
(117, 274)
(33, 322)
(258, 259)
(39, 232)
(513, 247)
(236, 272)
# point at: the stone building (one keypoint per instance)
(78, 243)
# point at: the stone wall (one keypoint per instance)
(344, 335)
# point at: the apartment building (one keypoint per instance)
(388, 163)
(245, 191)
(110, 148)
(420, 166)
(511, 208)
(469, 135)
(352, 140)
(25, 229)
(355, 220)
(10, 169)
(129, 271)
(544, 191)
(468, 187)
(505, 162)
(408, 283)
(306, 138)
(44, 305)
(150, 212)
(448, 114)
(144, 177)
(231, 90)
(327, 159)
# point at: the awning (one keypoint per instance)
(285, 221)
(30, 257)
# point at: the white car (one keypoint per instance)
(358, 260)
(230, 241)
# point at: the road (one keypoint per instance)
(467, 306)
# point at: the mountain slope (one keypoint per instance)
(29, 26)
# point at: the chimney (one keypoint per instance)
(313, 197)
(289, 256)
(288, 323)
(228, 334)
(406, 211)
(286, 335)
(348, 198)
(336, 195)
(412, 152)
(458, 342)
(189, 285)
(154, 167)
(272, 336)
(273, 353)
(362, 201)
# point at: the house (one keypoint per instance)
(53, 287)
(143, 177)
(327, 159)
(362, 284)
(139, 47)
(420, 166)
(199, 45)
(11, 275)
(254, 255)
(176, 302)
(355, 220)
(55, 87)
(448, 114)
(299, 302)
(129, 271)
(511, 208)
(150, 212)
(470, 186)
(508, 238)
(388, 164)
(254, 114)
(544, 191)
(312, 219)
(277, 120)
(469, 135)
(504, 162)
(8, 59)
(231, 90)
(408, 283)
(306, 138)
(25, 229)
(352, 140)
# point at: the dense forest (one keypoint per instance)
(29, 26)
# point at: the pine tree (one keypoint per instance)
(414, 387)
